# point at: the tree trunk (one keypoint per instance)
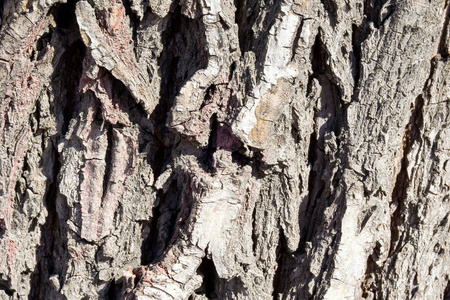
(211, 149)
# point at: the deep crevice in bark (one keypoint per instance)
(254, 237)
(108, 159)
(162, 226)
(168, 64)
(279, 278)
(322, 281)
(412, 135)
(373, 10)
(50, 237)
(209, 93)
(21, 185)
(207, 159)
(150, 247)
(208, 271)
(245, 32)
(64, 14)
(122, 99)
(319, 56)
(446, 295)
(161, 156)
(295, 126)
(296, 39)
(373, 282)
(371, 285)
(42, 43)
(330, 115)
(113, 291)
(50, 260)
(331, 7)
(1, 13)
(182, 36)
(356, 58)
(314, 193)
(4, 286)
(134, 24)
(249, 156)
(443, 47)
(248, 13)
(184, 43)
(67, 77)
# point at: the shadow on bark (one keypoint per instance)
(51, 255)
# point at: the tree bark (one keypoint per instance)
(218, 149)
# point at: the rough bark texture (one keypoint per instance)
(211, 149)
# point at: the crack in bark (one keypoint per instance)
(279, 278)
(412, 135)
(323, 279)
(185, 36)
(331, 7)
(46, 265)
(68, 86)
(162, 226)
(446, 295)
(314, 193)
(4, 287)
(108, 160)
(296, 40)
(371, 285)
(372, 11)
(152, 247)
(443, 47)
(64, 85)
(245, 33)
(208, 271)
(357, 40)
(64, 15)
(207, 158)
(319, 57)
(134, 24)
(331, 111)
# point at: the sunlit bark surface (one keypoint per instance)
(218, 149)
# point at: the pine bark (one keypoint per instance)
(218, 149)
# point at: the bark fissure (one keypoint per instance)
(162, 226)
(4, 287)
(356, 59)
(69, 77)
(296, 40)
(412, 135)
(208, 160)
(373, 10)
(134, 23)
(45, 266)
(64, 15)
(443, 47)
(208, 271)
(331, 8)
(446, 295)
(108, 160)
(278, 279)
